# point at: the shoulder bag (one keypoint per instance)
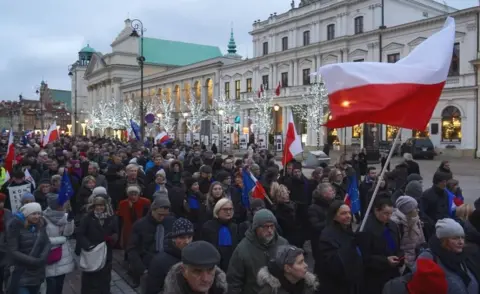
(93, 260)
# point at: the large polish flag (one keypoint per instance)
(51, 135)
(402, 94)
(10, 153)
(293, 143)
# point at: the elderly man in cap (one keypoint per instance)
(198, 272)
(181, 236)
(253, 252)
(148, 237)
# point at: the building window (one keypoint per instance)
(249, 85)
(392, 132)
(359, 25)
(393, 58)
(237, 89)
(455, 63)
(306, 76)
(227, 90)
(306, 38)
(330, 32)
(265, 48)
(421, 134)
(359, 60)
(357, 131)
(451, 125)
(265, 82)
(284, 79)
(284, 43)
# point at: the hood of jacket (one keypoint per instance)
(252, 237)
(399, 218)
(264, 277)
(174, 280)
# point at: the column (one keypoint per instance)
(294, 44)
(275, 75)
(270, 78)
(255, 48)
(345, 24)
(204, 93)
(295, 73)
(255, 79)
(285, 119)
(290, 72)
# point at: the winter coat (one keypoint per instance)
(7, 217)
(411, 235)
(412, 167)
(28, 249)
(290, 222)
(101, 181)
(374, 248)
(142, 246)
(210, 232)
(159, 268)
(317, 215)
(247, 259)
(129, 215)
(397, 285)
(363, 191)
(175, 282)
(341, 265)
(58, 237)
(433, 206)
(271, 285)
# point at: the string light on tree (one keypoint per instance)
(313, 107)
(165, 114)
(229, 108)
(196, 114)
(263, 112)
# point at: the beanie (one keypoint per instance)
(428, 278)
(262, 217)
(220, 203)
(182, 227)
(222, 176)
(27, 197)
(99, 191)
(160, 202)
(448, 228)
(414, 177)
(414, 189)
(406, 204)
(162, 193)
(205, 169)
(30, 208)
(52, 201)
(161, 173)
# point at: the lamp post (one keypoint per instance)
(137, 26)
(276, 108)
(71, 68)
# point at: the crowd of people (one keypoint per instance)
(186, 223)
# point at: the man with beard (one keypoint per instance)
(253, 252)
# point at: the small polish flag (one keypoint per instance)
(52, 134)
(277, 90)
(162, 138)
(10, 153)
(293, 144)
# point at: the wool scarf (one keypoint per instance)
(159, 237)
(391, 245)
(224, 236)
(193, 202)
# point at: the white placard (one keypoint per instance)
(196, 138)
(243, 144)
(226, 141)
(16, 193)
(278, 142)
(262, 141)
(188, 140)
(215, 139)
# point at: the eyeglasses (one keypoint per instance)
(227, 209)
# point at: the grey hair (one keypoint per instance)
(323, 187)
(407, 156)
(94, 165)
(131, 166)
(256, 166)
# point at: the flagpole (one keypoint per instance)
(379, 180)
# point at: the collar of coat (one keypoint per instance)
(173, 282)
(264, 277)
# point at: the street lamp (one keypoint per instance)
(137, 26)
(276, 108)
(72, 68)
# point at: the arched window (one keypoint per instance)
(392, 132)
(451, 124)
(198, 91)
(421, 134)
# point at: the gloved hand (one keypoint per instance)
(109, 240)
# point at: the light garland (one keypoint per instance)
(263, 112)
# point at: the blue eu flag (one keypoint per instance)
(66, 189)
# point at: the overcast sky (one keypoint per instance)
(39, 39)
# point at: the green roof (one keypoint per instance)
(168, 52)
(87, 49)
(63, 96)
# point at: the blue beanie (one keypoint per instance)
(27, 197)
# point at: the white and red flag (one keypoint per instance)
(52, 135)
(293, 143)
(402, 94)
(10, 153)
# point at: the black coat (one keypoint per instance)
(28, 249)
(363, 190)
(210, 234)
(151, 174)
(341, 270)
(288, 220)
(433, 206)
(317, 215)
(412, 167)
(159, 268)
(374, 249)
(142, 246)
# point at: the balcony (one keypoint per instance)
(288, 92)
(466, 80)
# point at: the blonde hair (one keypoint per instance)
(464, 211)
(276, 191)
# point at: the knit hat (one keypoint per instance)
(257, 204)
(222, 176)
(30, 208)
(44, 181)
(160, 202)
(52, 201)
(189, 182)
(414, 189)
(428, 278)
(162, 193)
(200, 254)
(448, 228)
(474, 219)
(205, 169)
(27, 197)
(182, 227)
(406, 204)
(220, 203)
(99, 191)
(160, 172)
(414, 177)
(262, 217)
(133, 189)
